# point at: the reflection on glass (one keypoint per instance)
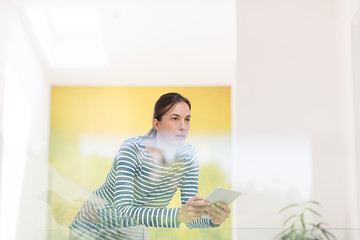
(277, 162)
(273, 170)
(16, 125)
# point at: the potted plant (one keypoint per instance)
(296, 227)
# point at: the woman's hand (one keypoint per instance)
(219, 212)
(193, 209)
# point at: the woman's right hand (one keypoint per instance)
(193, 209)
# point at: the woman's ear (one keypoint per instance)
(155, 124)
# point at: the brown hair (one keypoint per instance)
(163, 105)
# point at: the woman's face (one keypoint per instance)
(174, 124)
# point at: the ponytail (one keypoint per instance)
(152, 133)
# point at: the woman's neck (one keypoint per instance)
(160, 150)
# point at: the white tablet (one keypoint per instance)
(221, 194)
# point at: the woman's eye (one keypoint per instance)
(187, 119)
(174, 118)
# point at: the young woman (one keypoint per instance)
(145, 175)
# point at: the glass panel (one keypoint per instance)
(218, 233)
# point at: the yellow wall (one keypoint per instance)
(130, 108)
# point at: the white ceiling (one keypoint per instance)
(141, 43)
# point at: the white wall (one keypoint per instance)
(291, 100)
(348, 28)
(2, 79)
(356, 76)
(23, 211)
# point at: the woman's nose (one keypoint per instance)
(182, 125)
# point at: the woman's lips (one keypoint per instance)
(181, 136)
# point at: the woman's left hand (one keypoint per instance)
(219, 212)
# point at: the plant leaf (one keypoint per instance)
(321, 223)
(302, 220)
(293, 225)
(289, 206)
(288, 219)
(313, 211)
(313, 228)
(325, 234)
(314, 202)
(281, 233)
(328, 233)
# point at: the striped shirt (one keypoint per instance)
(137, 191)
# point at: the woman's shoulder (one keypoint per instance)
(131, 145)
(133, 141)
(187, 150)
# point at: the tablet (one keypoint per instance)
(221, 194)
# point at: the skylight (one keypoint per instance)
(77, 21)
(70, 37)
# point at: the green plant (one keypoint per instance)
(295, 227)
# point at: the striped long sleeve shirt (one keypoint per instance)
(138, 189)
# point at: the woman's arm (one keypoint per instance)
(189, 188)
(126, 166)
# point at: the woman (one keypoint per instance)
(145, 175)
